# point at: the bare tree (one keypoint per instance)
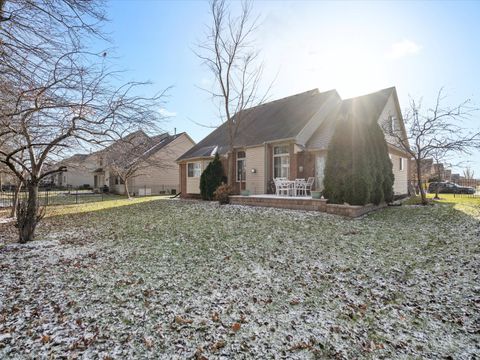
(35, 33)
(55, 95)
(229, 54)
(468, 173)
(439, 156)
(134, 156)
(436, 130)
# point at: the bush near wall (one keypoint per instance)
(358, 169)
(211, 178)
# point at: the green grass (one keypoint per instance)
(109, 202)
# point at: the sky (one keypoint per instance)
(353, 47)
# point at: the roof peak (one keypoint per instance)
(314, 91)
(389, 89)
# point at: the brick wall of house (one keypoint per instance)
(183, 179)
(269, 166)
(293, 162)
(309, 165)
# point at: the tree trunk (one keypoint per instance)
(28, 216)
(437, 187)
(16, 199)
(419, 178)
(127, 192)
(230, 169)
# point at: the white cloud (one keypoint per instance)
(166, 113)
(403, 48)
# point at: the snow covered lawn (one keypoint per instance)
(183, 279)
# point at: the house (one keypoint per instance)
(426, 167)
(153, 158)
(7, 179)
(289, 138)
(79, 172)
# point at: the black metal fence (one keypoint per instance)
(461, 187)
(54, 197)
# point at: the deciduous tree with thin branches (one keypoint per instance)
(56, 95)
(438, 130)
(229, 53)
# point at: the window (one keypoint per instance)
(241, 166)
(400, 164)
(119, 181)
(194, 169)
(393, 123)
(281, 162)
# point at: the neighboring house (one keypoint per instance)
(426, 167)
(79, 168)
(159, 174)
(7, 179)
(289, 138)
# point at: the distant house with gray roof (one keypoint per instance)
(289, 138)
(95, 169)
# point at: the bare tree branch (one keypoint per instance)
(436, 132)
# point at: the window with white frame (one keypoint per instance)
(393, 123)
(194, 169)
(241, 166)
(281, 161)
(400, 163)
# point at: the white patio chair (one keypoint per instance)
(300, 187)
(282, 186)
(309, 185)
(277, 185)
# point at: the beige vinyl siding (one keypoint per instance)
(255, 159)
(79, 173)
(193, 183)
(385, 119)
(165, 176)
(400, 185)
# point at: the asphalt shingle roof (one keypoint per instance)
(361, 108)
(279, 119)
(285, 118)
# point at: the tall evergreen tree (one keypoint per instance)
(212, 177)
(358, 169)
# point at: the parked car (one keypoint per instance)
(446, 187)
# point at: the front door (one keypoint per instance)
(319, 171)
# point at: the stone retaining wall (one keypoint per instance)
(305, 204)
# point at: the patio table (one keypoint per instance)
(292, 185)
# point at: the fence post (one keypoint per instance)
(145, 190)
(76, 197)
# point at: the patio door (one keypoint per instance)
(241, 170)
(319, 171)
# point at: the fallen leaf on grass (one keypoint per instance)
(215, 317)
(148, 342)
(218, 345)
(181, 321)
(45, 339)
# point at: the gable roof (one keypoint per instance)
(309, 118)
(280, 119)
(137, 146)
(361, 108)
